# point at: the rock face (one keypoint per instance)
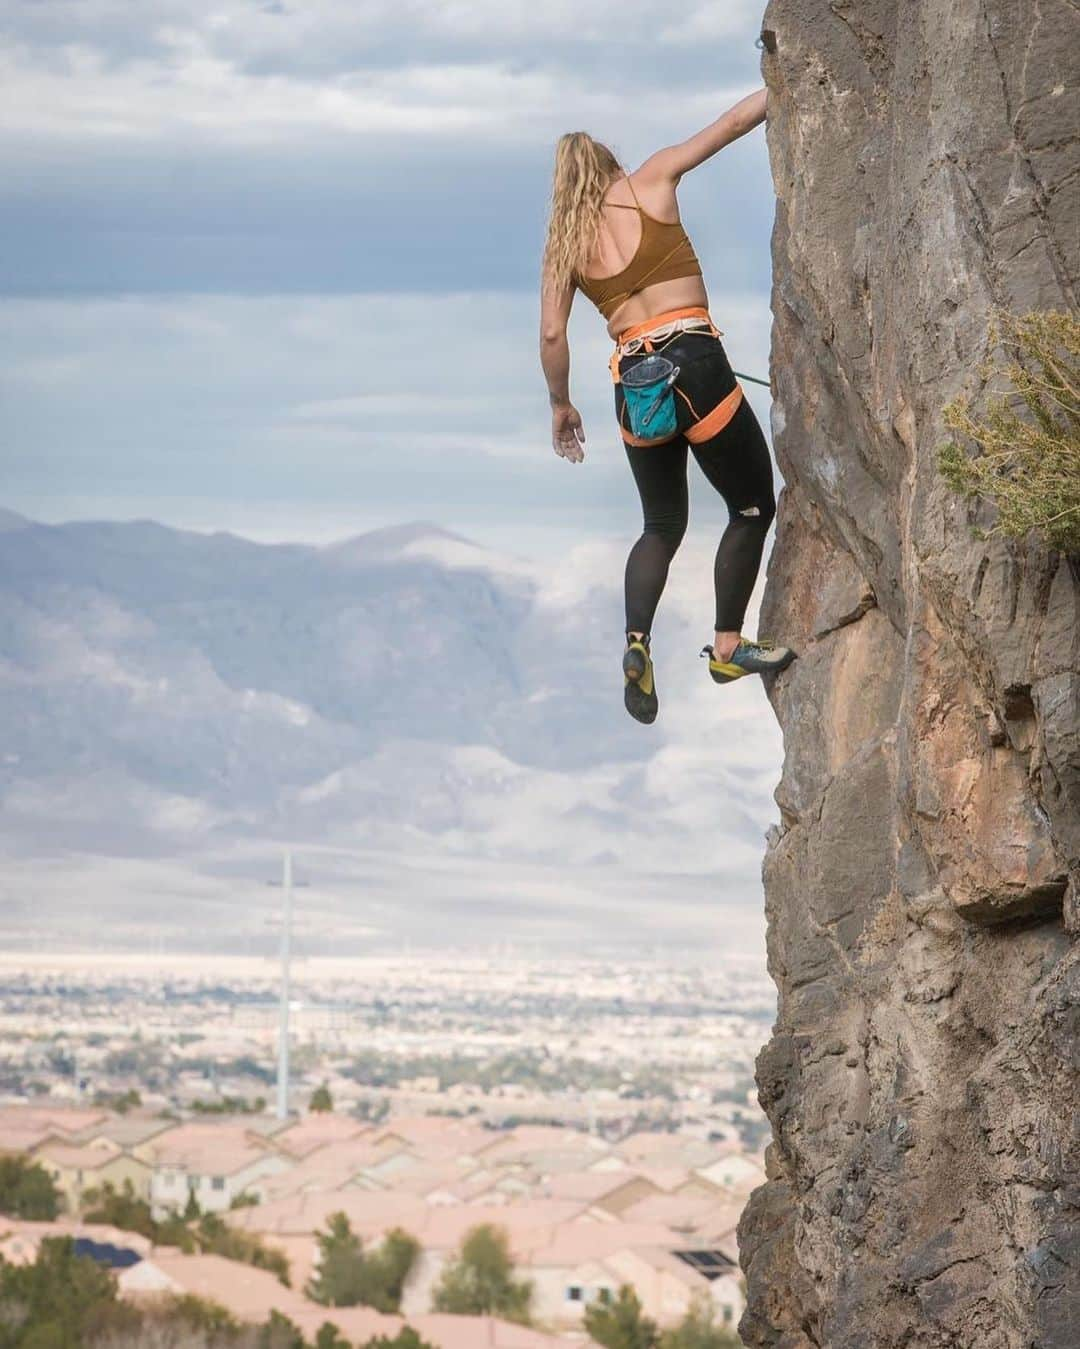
(924, 884)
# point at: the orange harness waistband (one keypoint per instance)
(641, 329)
(713, 422)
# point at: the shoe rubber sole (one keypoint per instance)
(639, 693)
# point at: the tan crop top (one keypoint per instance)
(664, 253)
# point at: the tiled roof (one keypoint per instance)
(73, 1158)
(219, 1149)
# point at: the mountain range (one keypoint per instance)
(435, 728)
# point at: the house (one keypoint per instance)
(668, 1281)
(569, 1264)
(735, 1173)
(213, 1162)
(328, 1167)
(319, 1130)
(25, 1127)
(77, 1168)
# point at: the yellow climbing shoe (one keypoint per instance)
(760, 657)
(639, 691)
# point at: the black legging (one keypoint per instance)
(737, 464)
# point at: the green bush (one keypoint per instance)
(404, 1339)
(195, 1231)
(1026, 459)
(27, 1189)
(480, 1282)
(55, 1301)
(698, 1330)
(215, 1237)
(349, 1276)
(621, 1323)
(120, 1208)
(321, 1102)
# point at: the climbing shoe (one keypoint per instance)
(759, 657)
(639, 693)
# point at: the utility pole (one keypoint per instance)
(283, 1022)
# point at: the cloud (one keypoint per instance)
(185, 147)
(492, 68)
(320, 37)
(380, 407)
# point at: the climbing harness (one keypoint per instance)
(646, 337)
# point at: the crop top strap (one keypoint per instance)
(625, 205)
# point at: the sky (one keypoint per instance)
(272, 266)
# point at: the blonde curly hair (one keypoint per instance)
(584, 170)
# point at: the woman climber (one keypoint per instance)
(617, 237)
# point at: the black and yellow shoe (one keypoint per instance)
(760, 657)
(639, 693)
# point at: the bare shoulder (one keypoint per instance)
(656, 189)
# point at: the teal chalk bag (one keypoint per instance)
(648, 387)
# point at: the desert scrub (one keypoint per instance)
(1026, 459)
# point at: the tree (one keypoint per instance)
(389, 1268)
(406, 1338)
(329, 1337)
(698, 1330)
(278, 1332)
(338, 1280)
(51, 1303)
(321, 1101)
(202, 1314)
(347, 1276)
(621, 1324)
(479, 1282)
(27, 1190)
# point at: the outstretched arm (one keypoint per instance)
(567, 435)
(671, 163)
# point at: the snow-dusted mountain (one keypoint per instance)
(437, 728)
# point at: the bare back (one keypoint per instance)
(620, 236)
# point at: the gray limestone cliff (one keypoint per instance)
(923, 887)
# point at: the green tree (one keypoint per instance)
(389, 1268)
(174, 1231)
(52, 1303)
(278, 1332)
(698, 1330)
(480, 1282)
(207, 1318)
(27, 1189)
(621, 1324)
(339, 1279)
(347, 1276)
(191, 1208)
(321, 1101)
(406, 1338)
(329, 1337)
